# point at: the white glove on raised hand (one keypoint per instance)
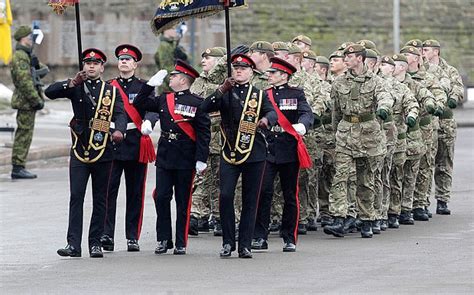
(158, 78)
(299, 128)
(146, 127)
(200, 167)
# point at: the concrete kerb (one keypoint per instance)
(36, 156)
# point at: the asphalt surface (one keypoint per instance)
(429, 257)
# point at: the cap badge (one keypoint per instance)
(125, 50)
(208, 51)
(92, 54)
(239, 58)
(414, 43)
(395, 56)
(351, 49)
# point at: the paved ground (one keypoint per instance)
(431, 257)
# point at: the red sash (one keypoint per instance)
(184, 125)
(303, 155)
(147, 151)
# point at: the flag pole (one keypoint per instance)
(227, 35)
(78, 34)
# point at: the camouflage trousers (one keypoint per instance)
(423, 178)
(382, 185)
(443, 174)
(238, 200)
(410, 172)
(432, 153)
(365, 174)
(25, 121)
(205, 199)
(277, 201)
(396, 182)
(326, 176)
(352, 209)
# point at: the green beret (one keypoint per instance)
(293, 49)
(337, 54)
(344, 45)
(280, 46)
(388, 60)
(431, 43)
(222, 49)
(369, 53)
(322, 60)
(411, 50)
(310, 55)
(214, 51)
(21, 32)
(354, 48)
(399, 57)
(305, 39)
(261, 46)
(415, 43)
(367, 44)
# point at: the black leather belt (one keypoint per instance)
(171, 135)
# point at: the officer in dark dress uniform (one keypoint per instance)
(294, 119)
(183, 149)
(99, 121)
(131, 156)
(244, 110)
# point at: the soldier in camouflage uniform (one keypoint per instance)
(405, 112)
(27, 99)
(425, 125)
(303, 42)
(205, 200)
(359, 96)
(447, 131)
(338, 68)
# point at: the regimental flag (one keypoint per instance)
(6, 20)
(172, 12)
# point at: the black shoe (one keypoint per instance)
(302, 229)
(226, 251)
(19, 172)
(179, 251)
(312, 226)
(289, 247)
(193, 226)
(442, 208)
(358, 224)
(427, 211)
(96, 252)
(70, 251)
(163, 246)
(326, 220)
(217, 228)
(384, 225)
(393, 221)
(376, 227)
(212, 222)
(336, 228)
(366, 229)
(107, 243)
(259, 244)
(406, 218)
(275, 226)
(203, 225)
(245, 253)
(420, 214)
(350, 225)
(132, 246)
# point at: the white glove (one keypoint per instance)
(299, 128)
(158, 78)
(146, 127)
(39, 36)
(200, 167)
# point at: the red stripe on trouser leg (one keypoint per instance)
(188, 210)
(295, 234)
(140, 220)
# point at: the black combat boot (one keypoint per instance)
(107, 243)
(349, 225)
(420, 214)
(217, 228)
(442, 208)
(366, 229)
(203, 225)
(393, 221)
(427, 211)
(376, 226)
(302, 229)
(326, 220)
(336, 228)
(384, 224)
(311, 226)
(19, 172)
(193, 226)
(275, 226)
(405, 218)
